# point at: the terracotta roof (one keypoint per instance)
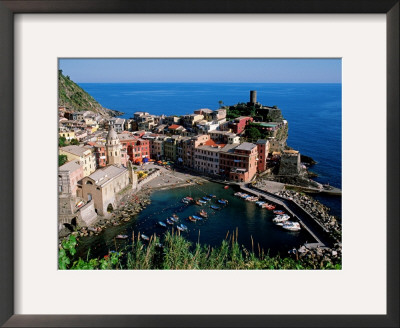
(174, 126)
(213, 143)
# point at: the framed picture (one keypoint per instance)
(361, 294)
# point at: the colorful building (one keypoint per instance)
(239, 162)
(82, 153)
(263, 150)
(238, 124)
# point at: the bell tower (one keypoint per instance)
(113, 148)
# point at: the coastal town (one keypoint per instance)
(107, 162)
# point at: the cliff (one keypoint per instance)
(73, 97)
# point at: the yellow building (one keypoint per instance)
(83, 154)
(68, 135)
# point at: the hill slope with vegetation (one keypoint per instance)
(73, 97)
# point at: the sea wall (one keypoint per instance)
(150, 177)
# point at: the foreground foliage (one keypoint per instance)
(176, 253)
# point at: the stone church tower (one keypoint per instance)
(113, 147)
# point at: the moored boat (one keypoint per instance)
(215, 207)
(206, 198)
(181, 227)
(291, 226)
(197, 217)
(192, 219)
(222, 201)
(281, 218)
(226, 187)
(211, 196)
(279, 212)
(252, 199)
(174, 219)
(162, 224)
(203, 213)
(121, 236)
(202, 201)
(170, 222)
(144, 237)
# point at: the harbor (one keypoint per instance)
(253, 225)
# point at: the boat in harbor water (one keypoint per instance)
(291, 226)
(121, 236)
(144, 237)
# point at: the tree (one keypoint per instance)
(220, 102)
(74, 142)
(62, 142)
(253, 133)
(62, 159)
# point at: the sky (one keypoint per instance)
(202, 70)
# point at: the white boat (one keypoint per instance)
(182, 227)
(281, 218)
(291, 226)
(144, 237)
(121, 236)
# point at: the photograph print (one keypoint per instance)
(199, 164)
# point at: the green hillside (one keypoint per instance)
(73, 97)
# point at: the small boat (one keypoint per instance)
(197, 217)
(170, 222)
(226, 187)
(279, 212)
(268, 206)
(121, 236)
(203, 213)
(185, 201)
(202, 201)
(206, 198)
(291, 226)
(175, 216)
(173, 219)
(162, 224)
(252, 199)
(244, 195)
(281, 218)
(239, 194)
(211, 196)
(144, 237)
(260, 203)
(222, 201)
(198, 203)
(279, 223)
(189, 198)
(215, 207)
(199, 183)
(181, 227)
(191, 218)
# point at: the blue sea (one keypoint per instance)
(314, 113)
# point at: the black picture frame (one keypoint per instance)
(7, 11)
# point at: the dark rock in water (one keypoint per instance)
(312, 174)
(307, 160)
